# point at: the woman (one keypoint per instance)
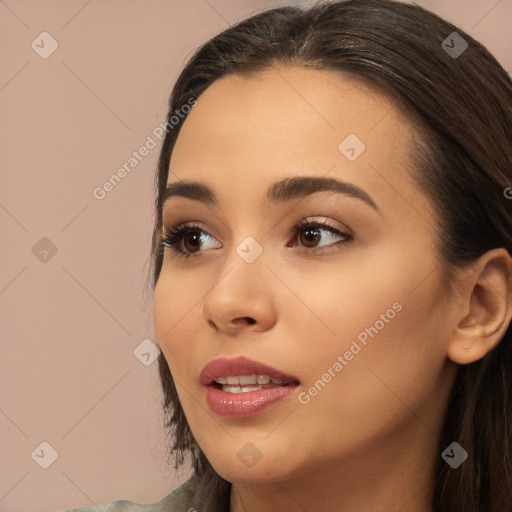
(332, 266)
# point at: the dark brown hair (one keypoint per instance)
(462, 109)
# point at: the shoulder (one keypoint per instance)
(183, 499)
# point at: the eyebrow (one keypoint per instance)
(279, 192)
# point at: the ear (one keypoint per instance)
(486, 298)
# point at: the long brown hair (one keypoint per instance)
(461, 105)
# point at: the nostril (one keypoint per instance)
(248, 319)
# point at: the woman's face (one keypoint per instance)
(353, 312)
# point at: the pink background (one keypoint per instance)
(70, 325)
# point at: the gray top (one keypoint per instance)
(191, 496)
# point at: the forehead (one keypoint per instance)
(286, 108)
(249, 131)
(291, 101)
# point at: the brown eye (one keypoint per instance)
(311, 233)
(186, 240)
(191, 241)
(310, 237)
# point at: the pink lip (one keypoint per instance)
(239, 366)
(243, 404)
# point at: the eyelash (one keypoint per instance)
(174, 236)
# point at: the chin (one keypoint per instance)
(247, 468)
(258, 474)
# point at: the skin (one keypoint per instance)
(369, 439)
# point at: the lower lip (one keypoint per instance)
(241, 405)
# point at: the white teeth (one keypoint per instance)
(240, 389)
(245, 380)
(247, 383)
(248, 379)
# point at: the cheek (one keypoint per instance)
(389, 332)
(386, 360)
(173, 305)
(375, 391)
(164, 304)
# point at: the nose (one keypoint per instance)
(226, 317)
(241, 301)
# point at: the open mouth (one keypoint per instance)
(240, 387)
(248, 383)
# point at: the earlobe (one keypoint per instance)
(487, 296)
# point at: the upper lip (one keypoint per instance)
(237, 366)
